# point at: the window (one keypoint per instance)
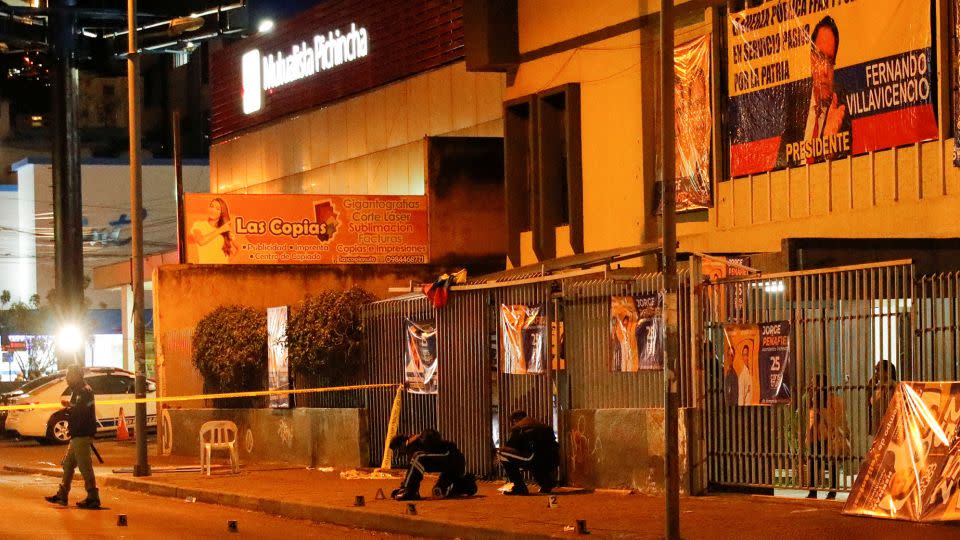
(543, 172)
(519, 172)
(560, 189)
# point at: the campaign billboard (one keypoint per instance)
(306, 229)
(813, 80)
(912, 471)
(756, 363)
(636, 332)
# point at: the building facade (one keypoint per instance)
(595, 72)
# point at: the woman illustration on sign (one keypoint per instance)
(214, 236)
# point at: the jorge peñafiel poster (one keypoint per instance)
(811, 80)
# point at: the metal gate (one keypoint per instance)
(845, 322)
(382, 352)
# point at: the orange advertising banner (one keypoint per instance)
(306, 229)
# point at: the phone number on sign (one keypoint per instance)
(405, 259)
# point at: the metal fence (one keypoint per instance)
(845, 323)
(464, 346)
(593, 384)
(382, 353)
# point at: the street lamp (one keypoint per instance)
(69, 340)
(265, 26)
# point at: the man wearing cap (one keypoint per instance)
(82, 418)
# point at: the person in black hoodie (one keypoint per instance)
(429, 452)
(532, 446)
(82, 418)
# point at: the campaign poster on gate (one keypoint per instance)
(306, 229)
(773, 362)
(278, 369)
(636, 332)
(811, 80)
(912, 470)
(420, 356)
(522, 344)
(756, 363)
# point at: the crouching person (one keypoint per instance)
(431, 453)
(83, 426)
(533, 447)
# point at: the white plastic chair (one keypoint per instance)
(218, 435)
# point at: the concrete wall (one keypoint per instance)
(307, 437)
(624, 449)
(184, 294)
(368, 144)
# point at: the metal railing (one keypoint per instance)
(845, 322)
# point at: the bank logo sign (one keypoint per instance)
(304, 60)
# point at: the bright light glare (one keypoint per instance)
(69, 339)
(266, 25)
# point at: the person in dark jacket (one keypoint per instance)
(532, 446)
(82, 418)
(429, 452)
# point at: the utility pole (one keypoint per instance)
(670, 282)
(67, 197)
(142, 468)
(178, 177)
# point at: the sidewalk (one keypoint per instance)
(325, 496)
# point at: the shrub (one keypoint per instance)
(230, 350)
(324, 334)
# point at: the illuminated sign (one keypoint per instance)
(303, 60)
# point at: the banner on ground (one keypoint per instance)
(522, 339)
(694, 124)
(912, 471)
(420, 356)
(306, 229)
(636, 332)
(810, 80)
(278, 369)
(756, 363)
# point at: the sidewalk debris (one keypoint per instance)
(354, 474)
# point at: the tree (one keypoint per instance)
(230, 351)
(31, 322)
(324, 334)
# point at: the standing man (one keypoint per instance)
(532, 446)
(83, 426)
(431, 453)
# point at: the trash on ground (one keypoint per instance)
(354, 474)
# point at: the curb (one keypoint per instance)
(335, 515)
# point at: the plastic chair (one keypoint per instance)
(218, 435)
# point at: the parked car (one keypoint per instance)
(52, 425)
(11, 396)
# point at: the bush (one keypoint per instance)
(230, 351)
(324, 334)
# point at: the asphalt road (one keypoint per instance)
(26, 515)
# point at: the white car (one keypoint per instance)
(51, 425)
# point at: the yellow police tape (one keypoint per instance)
(165, 399)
